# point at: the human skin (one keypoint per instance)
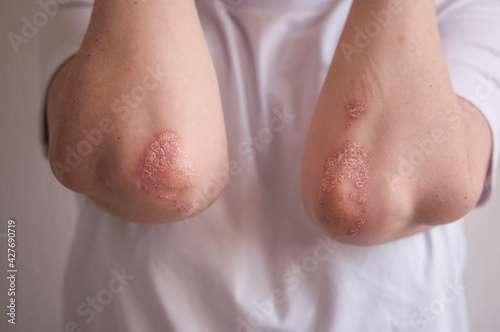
(387, 102)
(144, 68)
(393, 93)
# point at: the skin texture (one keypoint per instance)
(355, 109)
(427, 151)
(346, 173)
(165, 166)
(143, 85)
(166, 171)
(347, 165)
(386, 98)
(345, 176)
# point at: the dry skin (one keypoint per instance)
(167, 171)
(347, 164)
(347, 168)
(355, 109)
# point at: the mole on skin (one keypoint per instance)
(166, 170)
(345, 175)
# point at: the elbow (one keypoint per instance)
(347, 201)
(365, 207)
(360, 217)
(163, 184)
(72, 168)
(129, 199)
(383, 213)
(454, 197)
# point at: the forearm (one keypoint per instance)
(388, 152)
(144, 79)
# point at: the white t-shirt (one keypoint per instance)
(253, 261)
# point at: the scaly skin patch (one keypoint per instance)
(355, 197)
(186, 207)
(356, 229)
(346, 174)
(347, 164)
(166, 171)
(355, 109)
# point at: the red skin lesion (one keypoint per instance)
(355, 109)
(166, 171)
(345, 176)
(356, 229)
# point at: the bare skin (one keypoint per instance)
(144, 89)
(144, 71)
(394, 99)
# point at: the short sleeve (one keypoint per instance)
(470, 36)
(60, 40)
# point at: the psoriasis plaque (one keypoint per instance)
(355, 109)
(166, 170)
(350, 163)
(347, 170)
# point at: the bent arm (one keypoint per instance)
(391, 150)
(135, 119)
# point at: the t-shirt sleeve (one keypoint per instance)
(470, 31)
(59, 40)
